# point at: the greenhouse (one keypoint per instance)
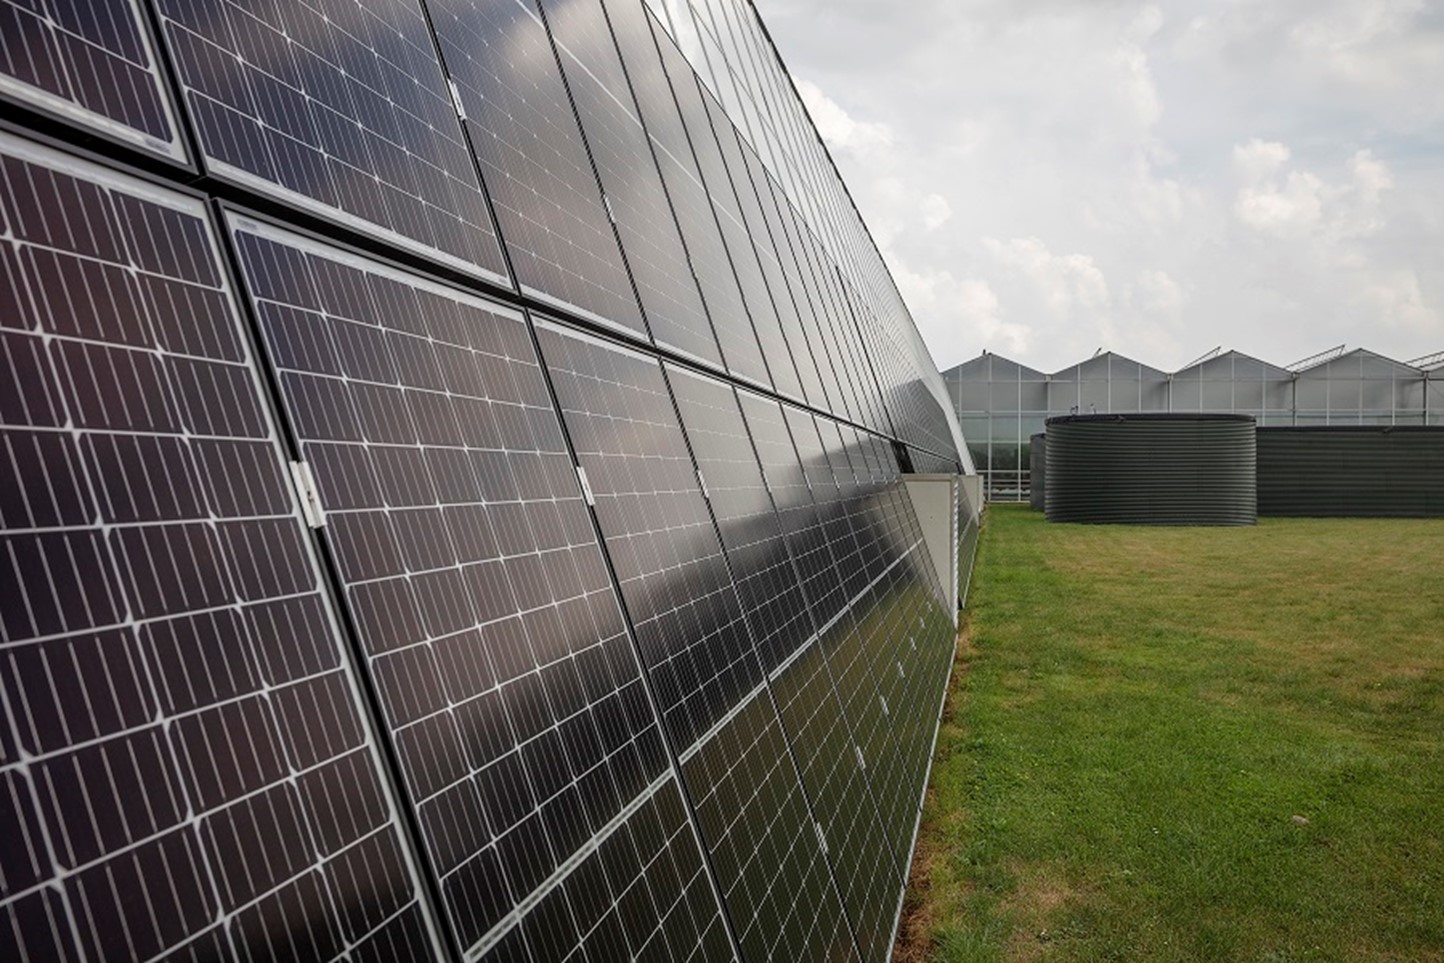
(1001, 403)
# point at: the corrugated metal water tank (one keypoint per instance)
(1151, 469)
(1351, 471)
(1037, 471)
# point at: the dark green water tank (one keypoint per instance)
(1151, 469)
(1351, 471)
(1037, 471)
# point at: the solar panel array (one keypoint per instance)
(451, 505)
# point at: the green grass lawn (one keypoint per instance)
(1191, 744)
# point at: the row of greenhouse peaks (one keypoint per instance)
(1000, 403)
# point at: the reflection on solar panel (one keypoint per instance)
(341, 110)
(91, 63)
(350, 610)
(187, 763)
(630, 180)
(525, 134)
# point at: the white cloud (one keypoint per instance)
(1154, 177)
(1069, 285)
(1398, 302)
(1290, 209)
(1259, 160)
(936, 211)
(1154, 293)
(837, 127)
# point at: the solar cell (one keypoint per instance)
(340, 108)
(470, 566)
(557, 228)
(92, 64)
(221, 777)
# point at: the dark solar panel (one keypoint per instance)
(737, 766)
(817, 273)
(798, 513)
(220, 783)
(524, 131)
(629, 175)
(90, 63)
(659, 533)
(632, 26)
(760, 276)
(471, 568)
(771, 594)
(788, 298)
(829, 763)
(811, 309)
(573, 654)
(729, 270)
(340, 108)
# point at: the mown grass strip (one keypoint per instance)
(1191, 744)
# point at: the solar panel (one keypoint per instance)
(817, 271)
(686, 188)
(775, 255)
(771, 594)
(510, 688)
(761, 278)
(91, 64)
(629, 175)
(341, 109)
(776, 609)
(736, 324)
(221, 777)
(797, 512)
(525, 134)
(736, 763)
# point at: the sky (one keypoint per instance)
(1052, 177)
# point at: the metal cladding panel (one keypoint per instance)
(1038, 472)
(1152, 469)
(186, 760)
(1351, 471)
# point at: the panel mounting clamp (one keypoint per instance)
(305, 483)
(456, 100)
(586, 486)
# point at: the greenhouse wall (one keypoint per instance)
(1000, 403)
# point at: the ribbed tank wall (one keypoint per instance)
(1037, 471)
(1151, 469)
(1351, 471)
